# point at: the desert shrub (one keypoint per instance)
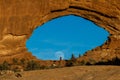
(79, 55)
(114, 61)
(22, 61)
(15, 61)
(88, 63)
(82, 62)
(43, 67)
(32, 65)
(71, 62)
(91, 61)
(4, 66)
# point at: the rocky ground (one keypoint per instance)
(68, 73)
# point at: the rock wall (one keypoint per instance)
(18, 18)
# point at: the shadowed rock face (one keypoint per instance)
(18, 18)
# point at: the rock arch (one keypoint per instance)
(18, 18)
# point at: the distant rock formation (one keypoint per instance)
(18, 18)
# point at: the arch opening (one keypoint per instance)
(64, 36)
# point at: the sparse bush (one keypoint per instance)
(88, 63)
(22, 61)
(15, 61)
(114, 61)
(32, 65)
(72, 61)
(82, 62)
(69, 63)
(79, 55)
(4, 66)
(91, 61)
(43, 67)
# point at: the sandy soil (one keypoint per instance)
(69, 73)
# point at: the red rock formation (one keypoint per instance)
(18, 18)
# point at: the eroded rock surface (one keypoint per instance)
(18, 18)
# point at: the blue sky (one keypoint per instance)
(65, 35)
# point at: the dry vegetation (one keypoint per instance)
(33, 70)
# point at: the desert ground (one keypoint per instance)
(68, 73)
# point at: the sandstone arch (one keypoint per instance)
(18, 18)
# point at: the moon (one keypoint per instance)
(59, 54)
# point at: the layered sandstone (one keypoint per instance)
(18, 18)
